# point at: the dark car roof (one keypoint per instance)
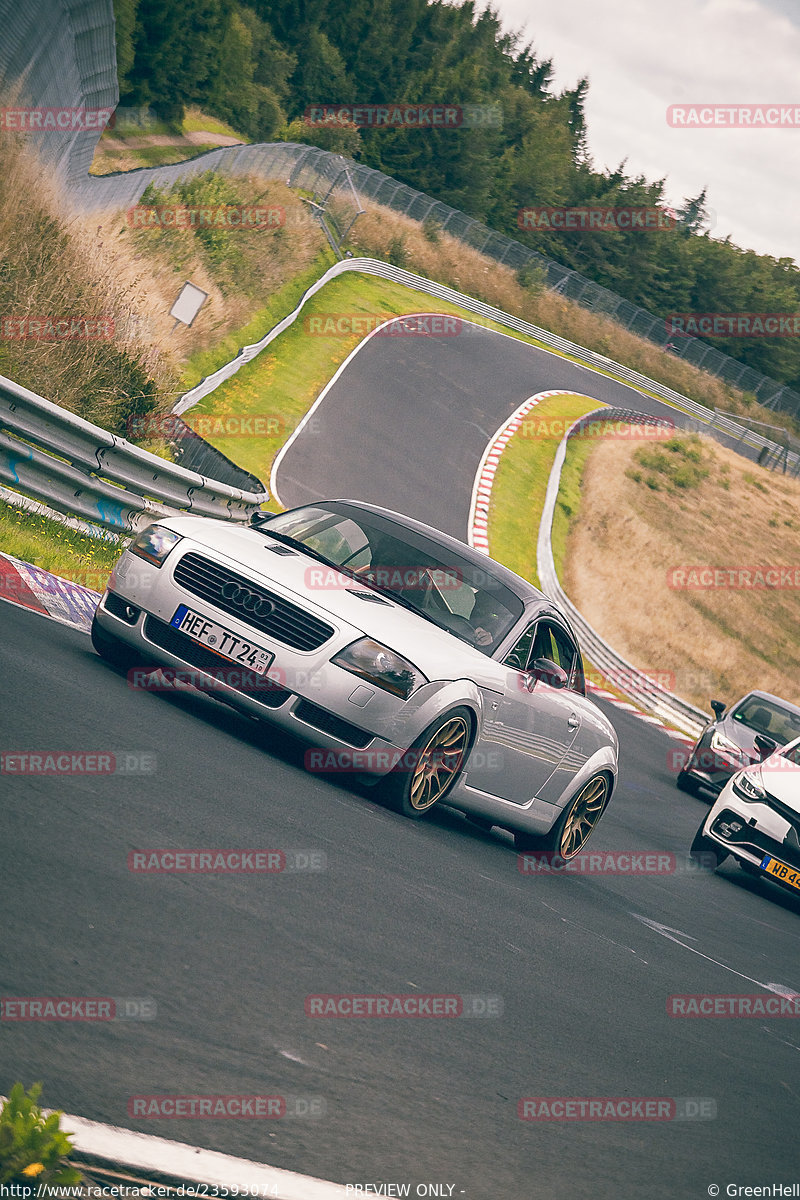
(515, 583)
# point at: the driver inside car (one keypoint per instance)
(485, 620)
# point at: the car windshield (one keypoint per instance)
(763, 716)
(463, 597)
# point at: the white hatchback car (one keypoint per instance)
(756, 819)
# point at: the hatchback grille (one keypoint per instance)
(286, 622)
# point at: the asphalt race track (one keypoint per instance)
(406, 424)
(584, 964)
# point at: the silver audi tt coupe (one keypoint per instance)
(400, 654)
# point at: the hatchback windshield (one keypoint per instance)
(463, 597)
(762, 716)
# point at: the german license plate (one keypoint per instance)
(779, 870)
(220, 640)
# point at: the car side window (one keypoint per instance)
(519, 655)
(554, 643)
(569, 657)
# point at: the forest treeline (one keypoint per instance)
(262, 64)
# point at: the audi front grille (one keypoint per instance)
(250, 602)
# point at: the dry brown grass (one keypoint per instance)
(382, 233)
(53, 268)
(625, 541)
(58, 264)
(157, 262)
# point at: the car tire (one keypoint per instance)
(706, 853)
(417, 783)
(112, 650)
(685, 783)
(576, 824)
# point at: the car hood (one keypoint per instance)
(740, 735)
(437, 653)
(781, 778)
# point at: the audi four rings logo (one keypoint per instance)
(249, 602)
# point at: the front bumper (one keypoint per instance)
(712, 769)
(304, 692)
(752, 831)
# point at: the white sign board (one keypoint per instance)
(190, 301)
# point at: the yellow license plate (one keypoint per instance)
(779, 870)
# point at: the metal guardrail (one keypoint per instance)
(648, 694)
(712, 422)
(78, 468)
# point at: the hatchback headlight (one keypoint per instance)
(749, 786)
(381, 666)
(720, 742)
(154, 544)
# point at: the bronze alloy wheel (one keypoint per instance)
(429, 768)
(438, 762)
(583, 814)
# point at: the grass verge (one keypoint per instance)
(521, 481)
(51, 545)
(683, 557)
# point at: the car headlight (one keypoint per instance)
(381, 666)
(749, 786)
(154, 544)
(720, 742)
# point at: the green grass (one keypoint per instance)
(144, 156)
(280, 304)
(569, 497)
(521, 481)
(198, 122)
(49, 544)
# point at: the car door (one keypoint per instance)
(527, 739)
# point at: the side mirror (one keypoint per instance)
(259, 517)
(718, 708)
(548, 672)
(765, 745)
